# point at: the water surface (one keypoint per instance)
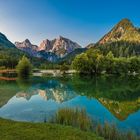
(112, 99)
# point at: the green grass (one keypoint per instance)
(11, 130)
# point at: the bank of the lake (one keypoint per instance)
(10, 130)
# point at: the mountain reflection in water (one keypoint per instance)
(112, 99)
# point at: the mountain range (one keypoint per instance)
(52, 50)
(63, 49)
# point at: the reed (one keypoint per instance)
(78, 118)
(111, 132)
(75, 117)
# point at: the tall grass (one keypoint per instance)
(74, 117)
(79, 118)
(110, 132)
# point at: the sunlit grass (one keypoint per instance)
(12, 130)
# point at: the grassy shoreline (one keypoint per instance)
(10, 130)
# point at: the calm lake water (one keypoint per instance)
(106, 99)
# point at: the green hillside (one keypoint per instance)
(5, 42)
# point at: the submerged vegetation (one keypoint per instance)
(79, 118)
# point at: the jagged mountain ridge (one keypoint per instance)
(60, 46)
(51, 50)
(26, 46)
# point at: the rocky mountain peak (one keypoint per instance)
(60, 46)
(125, 23)
(45, 45)
(121, 31)
(60, 37)
(27, 46)
(27, 41)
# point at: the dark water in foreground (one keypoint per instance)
(112, 99)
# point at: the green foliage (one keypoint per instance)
(120, 48)
(134, 64)
(9, 57)
(94, 62)
(81, 62)
(64, 68)
(108, 62)
(24, 67)
(52, 66)
(90, 62)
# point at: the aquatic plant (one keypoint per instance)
(75, 117)
(79, 118)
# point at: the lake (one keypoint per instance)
(106, 98)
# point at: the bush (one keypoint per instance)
(24, 67)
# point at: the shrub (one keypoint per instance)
(24, 67)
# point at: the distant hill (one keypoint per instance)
(5, 42)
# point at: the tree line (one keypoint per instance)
(120, 48)
(94, 61)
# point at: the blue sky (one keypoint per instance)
(84, 21)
